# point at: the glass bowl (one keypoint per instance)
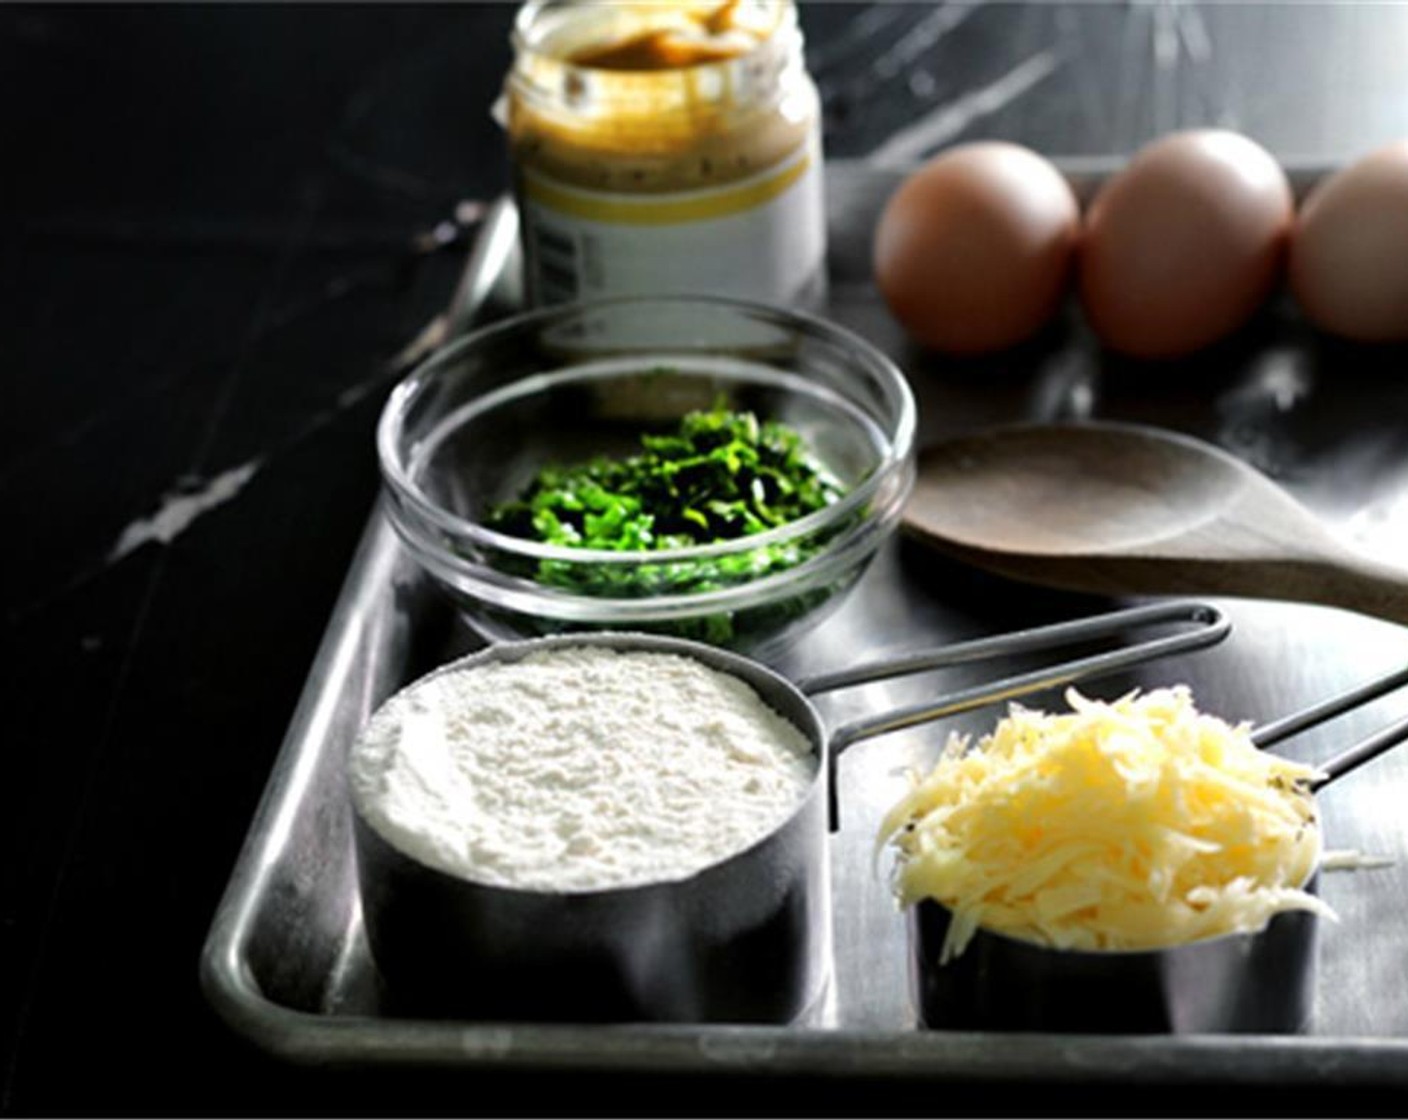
(471, 427)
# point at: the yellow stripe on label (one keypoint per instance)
(668, 210)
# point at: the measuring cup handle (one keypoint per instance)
(1360, 753)
(1363, 752)
(1211, 626)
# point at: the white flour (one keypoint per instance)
(578, 769)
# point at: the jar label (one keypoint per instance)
(762, 238)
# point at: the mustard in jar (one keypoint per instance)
(666, 148)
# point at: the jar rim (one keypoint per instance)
(782, 40)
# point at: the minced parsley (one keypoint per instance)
(720, 476)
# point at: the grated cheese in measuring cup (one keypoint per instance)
(1137, 824)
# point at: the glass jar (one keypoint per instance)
(666, 148)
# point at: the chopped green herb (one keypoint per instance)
(721, 476)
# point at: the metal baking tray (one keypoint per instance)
(286, 963)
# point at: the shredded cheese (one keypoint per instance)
(1136, 824)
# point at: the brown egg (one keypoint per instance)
(1349, 252)
(974, 250)
(1184, 244)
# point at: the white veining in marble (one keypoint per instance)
(934, 129)
(872, 24)
(919, 40)
(182, 507)
(905, 46)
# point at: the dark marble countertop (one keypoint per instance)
(222, 224)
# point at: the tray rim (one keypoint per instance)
(313, 1039)
(325, 1039)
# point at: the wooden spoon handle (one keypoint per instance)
(1332, 577)
(1333, 580)
(1359, 584)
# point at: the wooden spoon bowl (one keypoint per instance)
(1125, 509)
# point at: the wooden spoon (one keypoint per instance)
(1124, 509)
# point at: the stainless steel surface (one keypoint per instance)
(286, 959)
(1246, 983)
(746, 939)
(487, 271)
